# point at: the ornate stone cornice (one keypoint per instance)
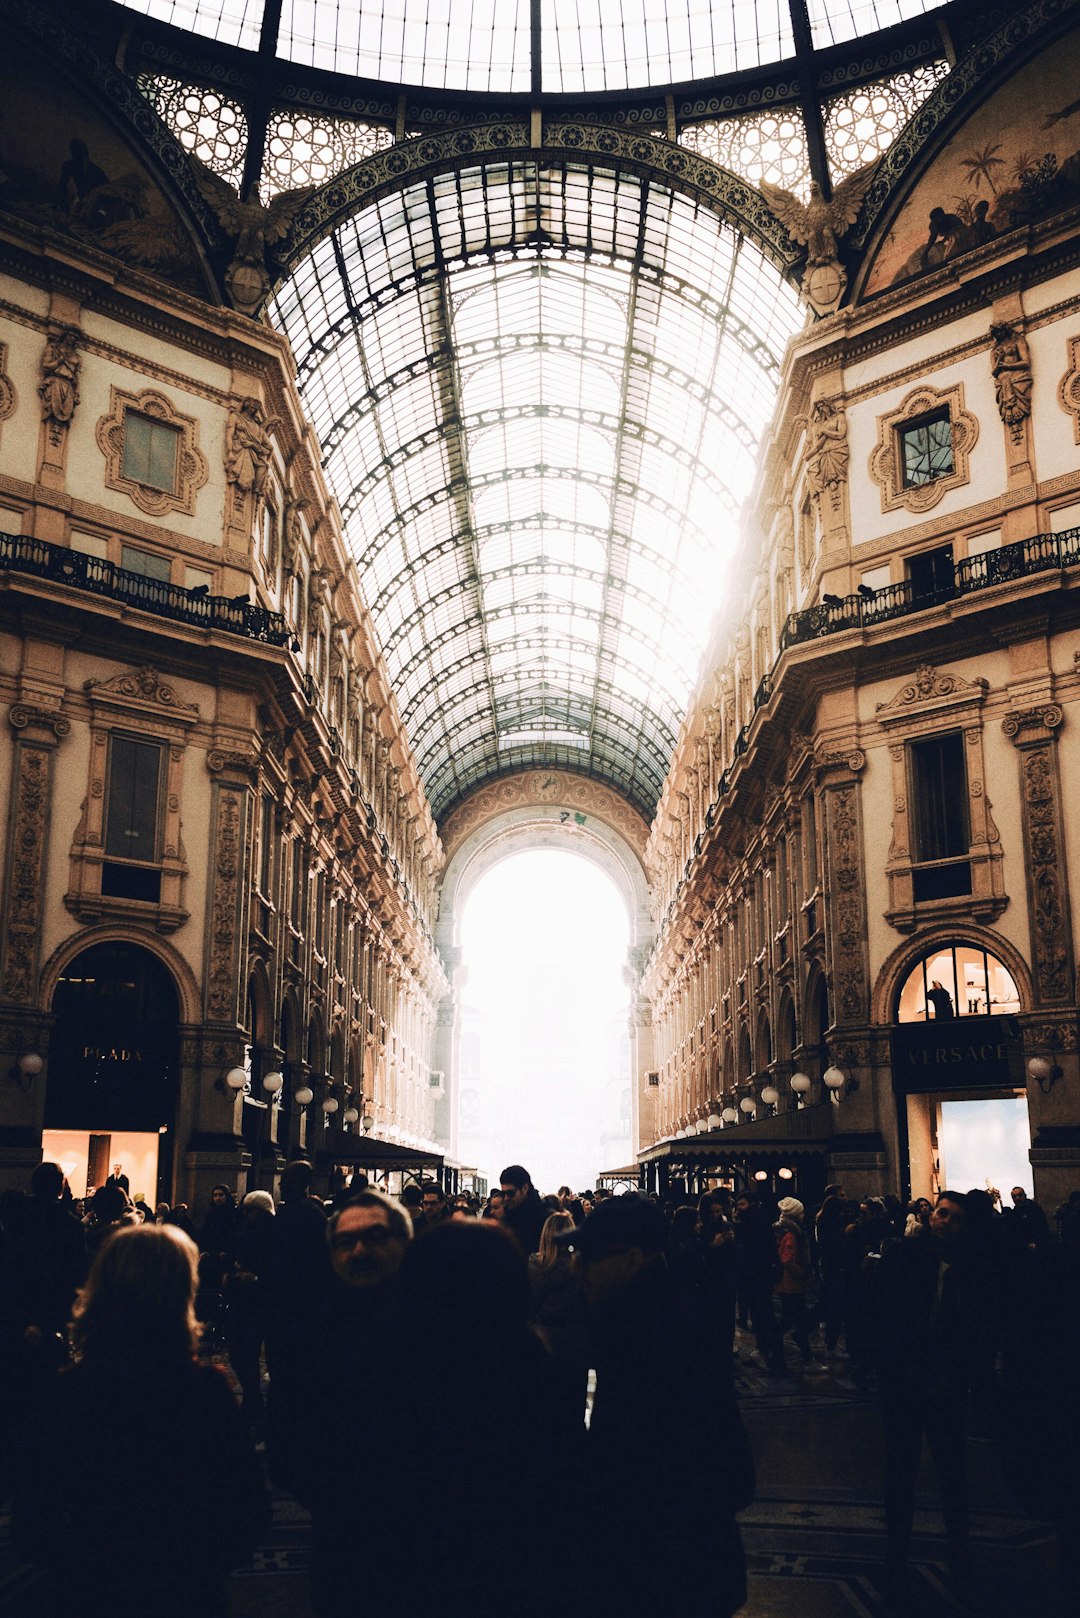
(142, 689)
(927, 690)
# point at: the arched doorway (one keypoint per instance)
(114, 1063)
(957, 1066)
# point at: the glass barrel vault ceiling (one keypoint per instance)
(539, 394)
(585, 45)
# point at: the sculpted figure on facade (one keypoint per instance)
(318, 598)
(827, 452)
(783, 525)
(1010, 362)
(59, 386)
(248, 449)
(292, 537)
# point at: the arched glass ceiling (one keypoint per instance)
(539, 394)
(588, 45)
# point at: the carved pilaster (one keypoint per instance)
(226, 942)
(37, 731)
(1033, 732)
(846, 928)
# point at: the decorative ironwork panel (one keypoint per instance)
(762, 146)
(304, 149)
(209, 125)
(862, 124)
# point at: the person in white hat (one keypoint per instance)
(793, 1256)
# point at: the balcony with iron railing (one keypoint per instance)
(1042, 553)
(1027, 558)
(197, 608)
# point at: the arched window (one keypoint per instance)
(957, 980)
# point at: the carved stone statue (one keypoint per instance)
(252, 229)
(318, 597)
(1010, 362)
(819, 225)
(293, 536)
(59, 388)
(248, 448)
(827, 455)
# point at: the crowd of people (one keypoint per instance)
(460, 1333)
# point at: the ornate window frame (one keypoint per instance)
(886, 460)
(136, 703)
(931, 703)
(1069, 387)
(192, 470)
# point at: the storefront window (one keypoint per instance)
(957, 980)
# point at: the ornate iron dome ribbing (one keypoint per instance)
(731, 198)
(510, 641)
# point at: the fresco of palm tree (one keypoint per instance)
(981, 163)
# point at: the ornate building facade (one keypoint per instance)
(316, 594)
(863, 855)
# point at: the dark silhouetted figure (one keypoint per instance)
(661, 1539)
(936, 1342)
(78, 1498)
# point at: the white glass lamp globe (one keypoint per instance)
(770, 1095)
(729, 1115)
(832, 1078)
(800, 1083)
(304, 1095)
(748, 1105)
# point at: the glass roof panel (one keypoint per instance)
(539, 454)
(234, 22)
(589, 45)
(833, 21)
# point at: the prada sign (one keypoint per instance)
(957, 1053)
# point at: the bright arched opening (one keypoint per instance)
(545, 1076)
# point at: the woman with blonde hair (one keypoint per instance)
(557, 1311)
(135, 1402)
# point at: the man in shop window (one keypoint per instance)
(941, 1000)
(119, 1179)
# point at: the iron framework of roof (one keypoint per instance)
(539, 383)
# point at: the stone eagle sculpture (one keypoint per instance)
(252, 228)
(818, 225)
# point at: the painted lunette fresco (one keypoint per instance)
(74, 173)
(1015, 161)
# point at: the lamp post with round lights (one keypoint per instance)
(800, 1084)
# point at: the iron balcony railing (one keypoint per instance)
(21, 554)
(1041, 554)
